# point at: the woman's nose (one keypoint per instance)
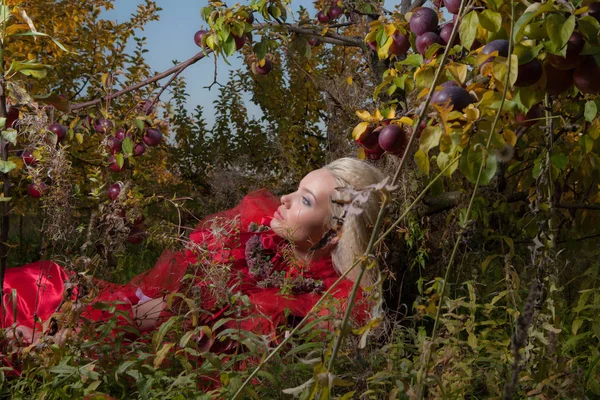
(284, 199)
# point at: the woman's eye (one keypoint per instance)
(305, 201)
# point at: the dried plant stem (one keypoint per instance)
(382, 211)
(427, 349)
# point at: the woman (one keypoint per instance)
(281, 255)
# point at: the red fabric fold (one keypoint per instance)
(223, 236)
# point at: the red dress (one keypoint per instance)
(244, 255)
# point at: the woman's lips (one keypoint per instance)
(277, 215)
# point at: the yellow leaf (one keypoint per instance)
(383, 51)
(472, 113)
(390, 29)
(377, 115)
(361, 154)
(363, 114)
(79, 138)
(422, 161)
(349, 80)
(406, 121)
(359, 130)
(423, 93)
(162, 353)
(458, 72)
(324, 31)
(510, 137)
(16, 28)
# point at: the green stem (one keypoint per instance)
(428, 350)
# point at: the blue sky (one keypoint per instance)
(172, 38)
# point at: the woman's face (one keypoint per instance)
(304, 215)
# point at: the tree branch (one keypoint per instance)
(176, 69)
(329, 37)
(595, 207)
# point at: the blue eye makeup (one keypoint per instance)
(305, 201)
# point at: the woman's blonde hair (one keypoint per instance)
(356, 174)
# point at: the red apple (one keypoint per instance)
(153, 137)
(322, 17)
(113, 191)
(532, 116)
(239, 41)
(198, 37)
(114, 145)
(103, 125)
(28, 158)
(265, 69)
(368, 139)
(114, 165)
(136, 235)
(335, 12)
(393, 139)
(12, 116)
(37, 190)
(139, 149)
(59, 130)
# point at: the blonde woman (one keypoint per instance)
(280, 255)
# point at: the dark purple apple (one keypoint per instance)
(314, 41)
(368, 139)
(587, 77)
(265, 69)
(374, 154)
(373, 45)
(114, 144)
(37, 190)
(335, 12)
(136, 235)
(152, 137)
(323, 17)
(446, 32)
(393, 139)
(499, 45)
(529, 73)
(28, 158)
(103, 125)
(198, 37)
(449, 84)
(12, 116)
(572, 58)
(400, 43)
(250, 18)
(557, 81)
(139, 149)
(113, 191)
(427, 39)
(59, 130)
(114, 165)
(456, 97)
(120, 134)
(531, 118)
(594, 10)
(423, 20)
(452, 5)
(239, 41)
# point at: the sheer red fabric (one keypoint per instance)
(225, 239)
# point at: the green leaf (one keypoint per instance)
(532, 11)
(127, 146)
(589, 27)
(7, 166)
(381, 37)
(59, 44)
(468, 29)
(526, 53)
(559, 31)
(422, 161)
(590, 111)
(260, 49)
(430, 138)
(471, 161)
(587, 143)
(2, 122)
(560, 161)
(10, 135)
(139, 123)
(413, 60)
(229, 46)
(120, 160)
(491, 20)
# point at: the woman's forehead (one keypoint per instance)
(319, 182)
